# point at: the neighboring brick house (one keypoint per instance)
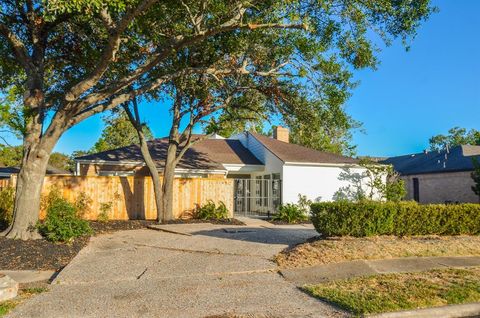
(439, 176)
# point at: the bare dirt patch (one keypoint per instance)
(335, 250)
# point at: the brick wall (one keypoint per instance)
(442, 187)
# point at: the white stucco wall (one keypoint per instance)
(318, 183)
(271, 162)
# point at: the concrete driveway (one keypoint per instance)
(211, 271)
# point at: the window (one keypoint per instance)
(416, 190)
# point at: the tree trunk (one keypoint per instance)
(134, 118)
(157, 185)
(168, 180)
(28, 191)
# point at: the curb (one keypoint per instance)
(450, 311)
(8, 288)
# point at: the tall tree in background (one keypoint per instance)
(69, 60)
(11, 156)
(456, 136)
(118, 132)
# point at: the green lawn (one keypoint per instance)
(6, 306)
(394, 292)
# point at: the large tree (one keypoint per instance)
(69, 60)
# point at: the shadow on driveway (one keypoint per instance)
(274, 235)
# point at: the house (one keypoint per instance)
(266, 171)
(438, 176)
(7, 172)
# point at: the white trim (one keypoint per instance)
(290, 163)
(243, 167)
(183, 170)
(142, 164)
(111, 162)
(107, 173)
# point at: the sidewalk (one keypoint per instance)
(344, 270)
(26, 276)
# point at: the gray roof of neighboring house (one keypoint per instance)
(208, 154)
(288, 152)
(456, 159)
(50, 170)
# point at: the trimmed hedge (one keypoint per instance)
(368, 218)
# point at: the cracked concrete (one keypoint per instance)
(146, 273)
(357, 268)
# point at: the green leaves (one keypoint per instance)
(210, 211)
(456, 136)
(118, 132)
(368, 218)
(63, 222)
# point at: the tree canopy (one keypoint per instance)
(11, 156)
(456, 136)
(64, 61)
(118, 132)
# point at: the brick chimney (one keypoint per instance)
(281, 133)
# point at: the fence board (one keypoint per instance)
(132, 197)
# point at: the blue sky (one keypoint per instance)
(425, 91)
(410, 97)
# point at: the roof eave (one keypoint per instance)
(322, 164)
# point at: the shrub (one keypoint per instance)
(294, 213)
(82, 203)
(290, 213)
(211, 211)
(7, 201)
(62, 223)
(105, 209)
(368, 218)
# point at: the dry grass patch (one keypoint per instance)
(394, 292)
(335, 250)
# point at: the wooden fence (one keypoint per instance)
(133, 197)
(4, 183)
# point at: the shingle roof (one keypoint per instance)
(458, 158)
(288, 152)
(208, 154)
(50, 170)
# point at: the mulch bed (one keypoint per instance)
(37, 254)
(286, 223)
(118, 225)
(45, 255)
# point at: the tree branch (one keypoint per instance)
(19, 49)
(178, 43)
(110, 50)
